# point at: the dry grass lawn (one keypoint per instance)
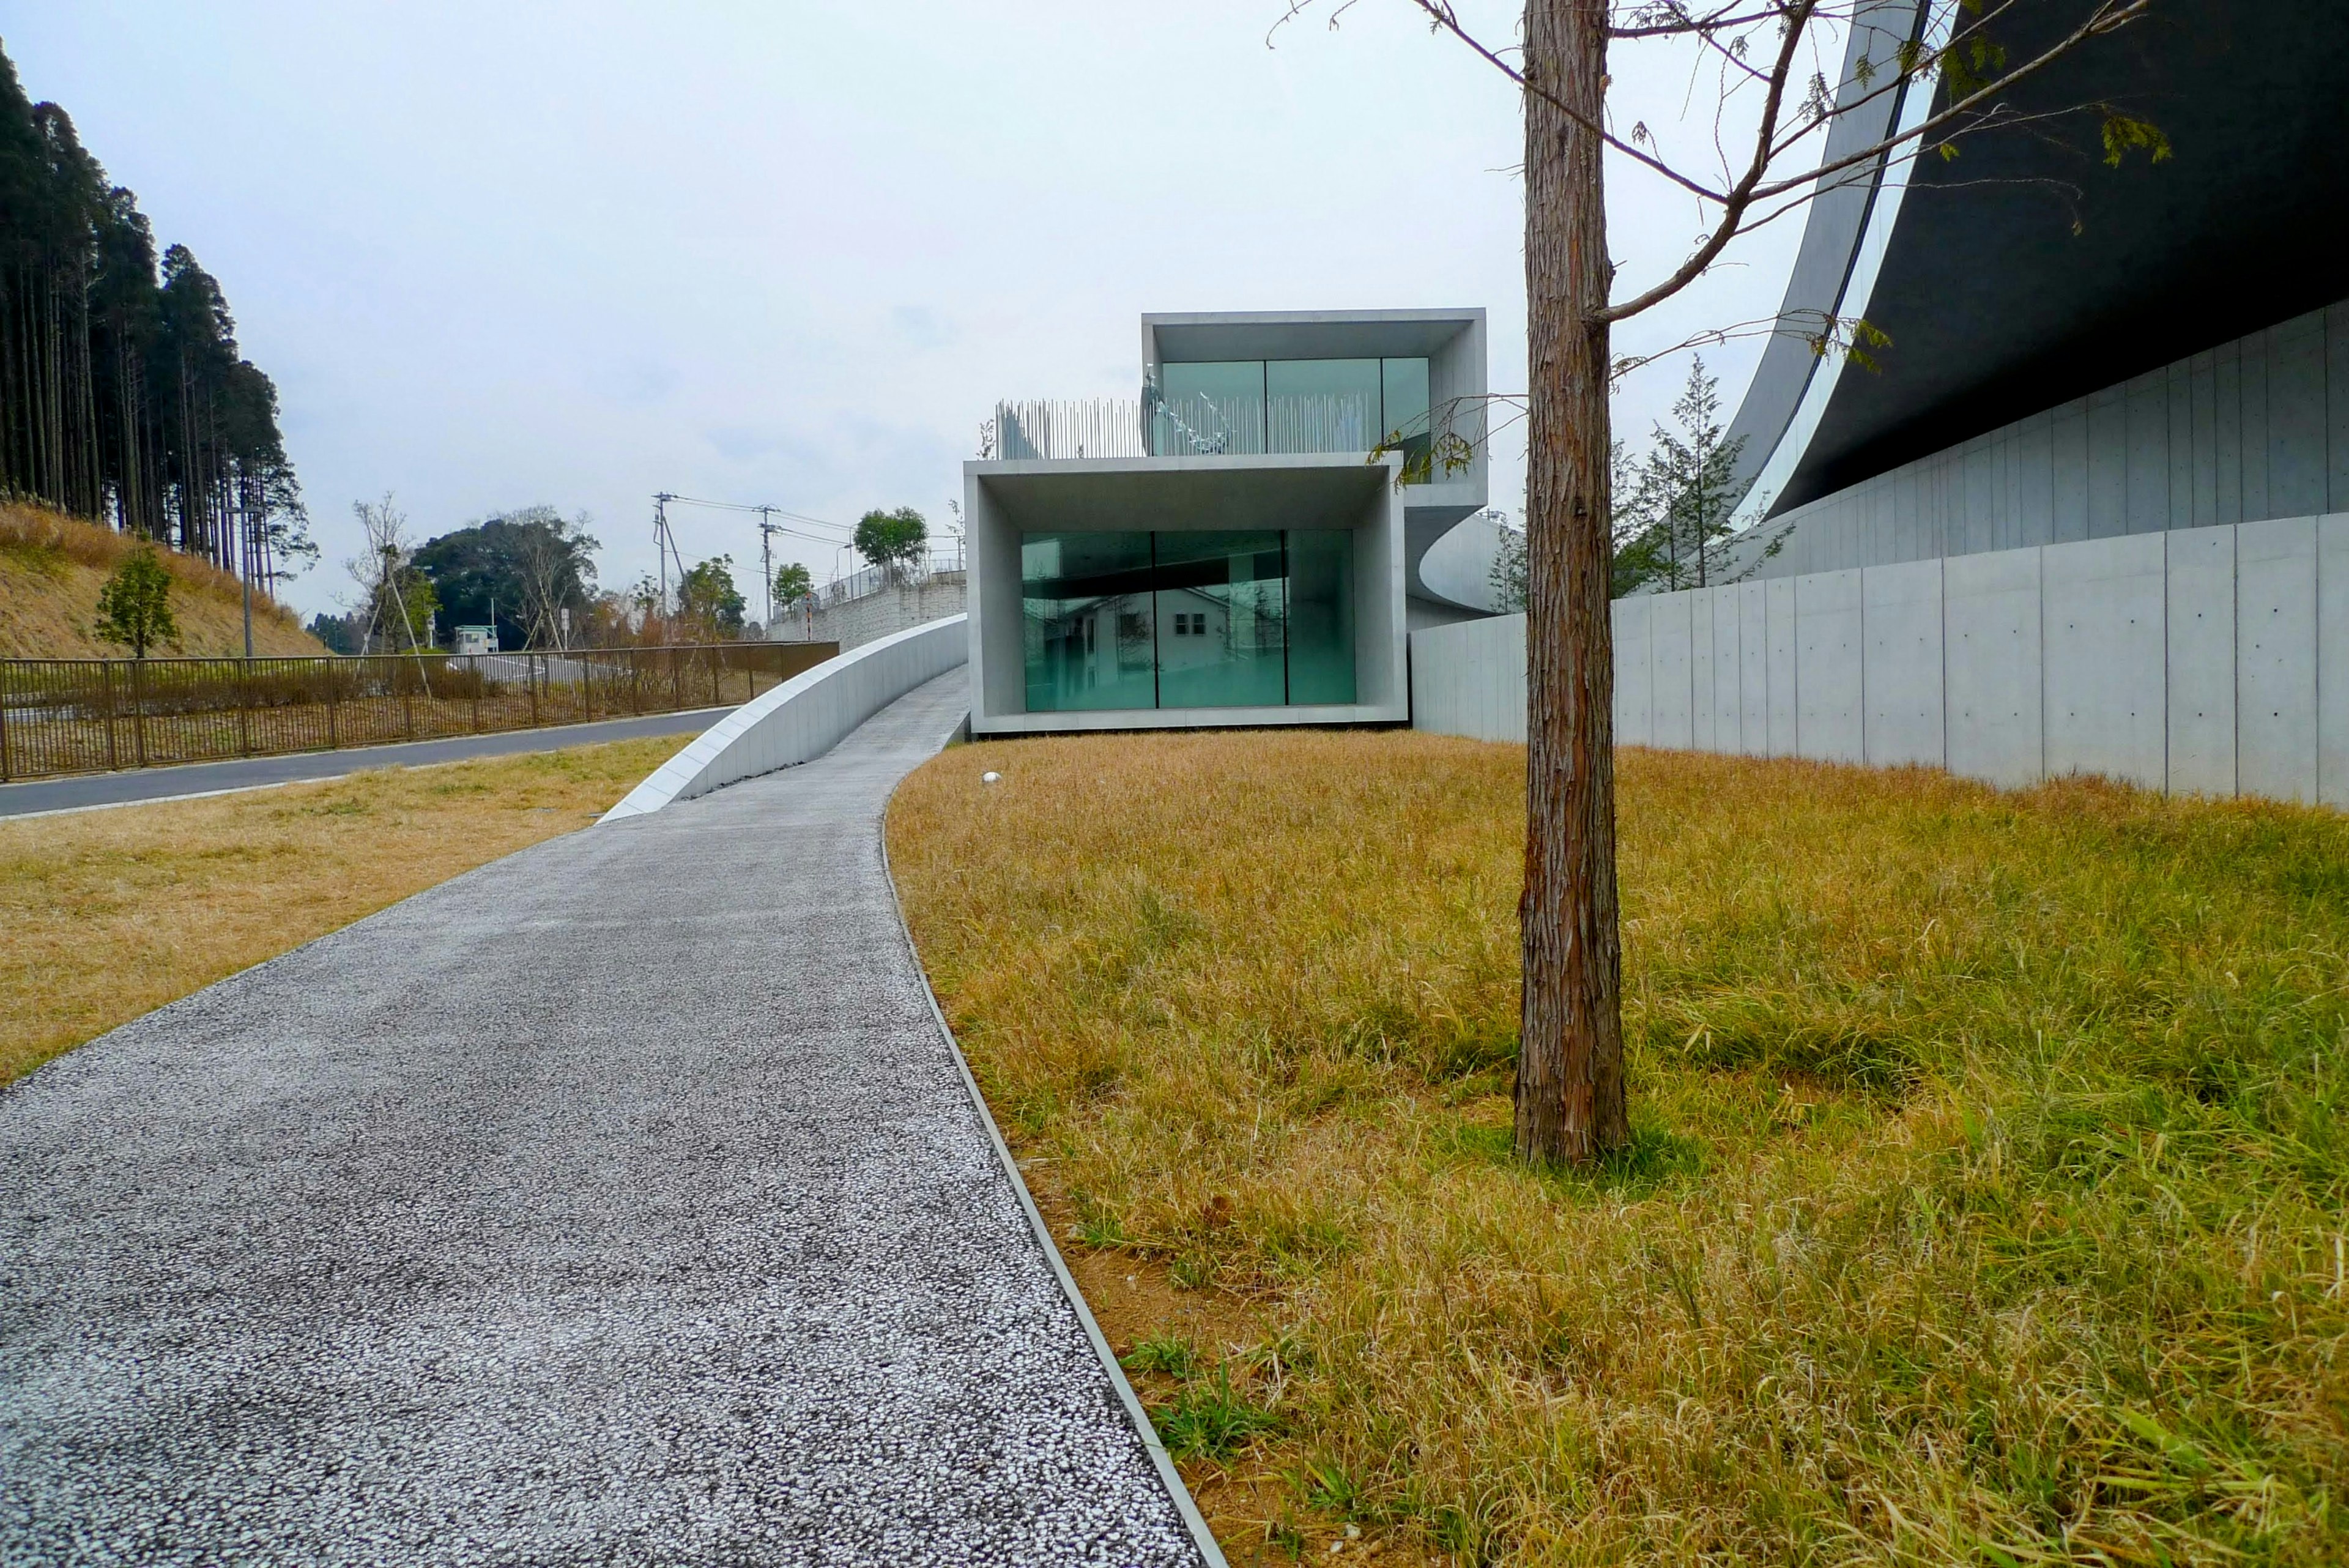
(1987, 1202)
(106, 915)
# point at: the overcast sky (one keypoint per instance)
(514, 251)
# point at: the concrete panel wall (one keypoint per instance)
(1779, 626)
(2209, 660)
(2333, 660)
(2101, 612)
(1673, 688)
(1754, 670)
(1635, 714)
(2199, 637)
(1828, 675)
(2276, 672)
(1991, 642)
(1903, 677)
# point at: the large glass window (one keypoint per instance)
(1291, 405)
(1188, 619)
(1222, 615)
(1087, 621)
(1404, 387)
(1210, 407)
(1322, 405)
(1320, 615)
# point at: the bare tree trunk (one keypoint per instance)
(1570, 1091)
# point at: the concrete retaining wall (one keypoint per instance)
(868, 617)
(2196, 660)
(804, 717)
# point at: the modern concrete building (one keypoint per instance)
(2089, 512)
(1242, 545)
(2077, 351)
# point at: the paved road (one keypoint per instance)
(200, 778)
(618, 1203)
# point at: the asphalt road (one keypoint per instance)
(622, 1201)
(133, 784)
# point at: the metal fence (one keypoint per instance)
(88, 715)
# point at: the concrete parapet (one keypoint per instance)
(804, 717)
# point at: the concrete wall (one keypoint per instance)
(2196, 661)
(804, 717)
(2255, 428)
(871, 616)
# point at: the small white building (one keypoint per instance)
(477, 640)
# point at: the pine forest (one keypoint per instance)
(123, 395)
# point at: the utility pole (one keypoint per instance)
(661, 544)
(767, 563)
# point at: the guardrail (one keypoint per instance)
(805, 717)
(92, 715)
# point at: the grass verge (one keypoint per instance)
(106, 915)
(1987, 1202)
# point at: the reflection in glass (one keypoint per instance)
(1188, 619)
(1322, 405)
(1209, 408)
(1086, 621)
(1222, 619)
(1320, 615)
(1404, 384)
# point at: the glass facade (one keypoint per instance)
(1250, 406)
(1187, 619)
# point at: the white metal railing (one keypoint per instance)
(1066, 429)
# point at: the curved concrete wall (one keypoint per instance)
(2196, 660)
(2255, 428)
(804, 717)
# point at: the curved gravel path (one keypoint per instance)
(619, 1203)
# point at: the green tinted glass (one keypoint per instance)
(1087, 630)
(1209, 408)
(1406, 403)
(1222, 620)
(1320, 615)
(1321, 405)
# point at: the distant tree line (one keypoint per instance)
(123, 395)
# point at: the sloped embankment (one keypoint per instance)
(52, 566)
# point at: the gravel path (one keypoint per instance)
(599, 1206)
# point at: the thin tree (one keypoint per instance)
(134, 607)
(1570, 1091)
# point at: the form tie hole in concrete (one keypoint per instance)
(990, 777)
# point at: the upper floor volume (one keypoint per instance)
(1243, 384)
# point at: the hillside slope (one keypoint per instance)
(52, 566)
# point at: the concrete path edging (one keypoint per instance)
(804, 717)
(1164, 1462)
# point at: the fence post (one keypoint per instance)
(4, 722)
(139, 707)
(408, 699)
(244, 707)
(333, 678)
(529, 673)
(478, 678)
(587, 685)
(676, 681)
(717, 675)
(113, 749)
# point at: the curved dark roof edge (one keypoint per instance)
(1832, 231)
